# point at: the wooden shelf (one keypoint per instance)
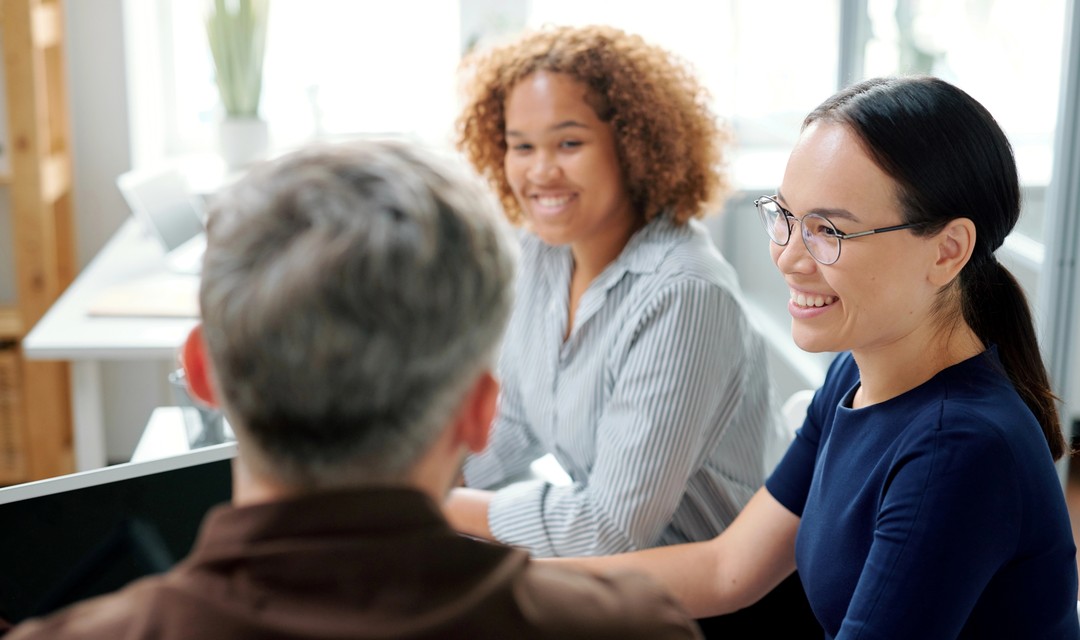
(10, 324)
(46, 25)
(55, 177)
(35, 429)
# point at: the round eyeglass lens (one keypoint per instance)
(776, 223)
(821, 238)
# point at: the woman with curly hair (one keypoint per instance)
(629, 355)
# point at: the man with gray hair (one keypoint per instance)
(353, 298)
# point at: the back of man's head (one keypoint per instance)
(350, 297)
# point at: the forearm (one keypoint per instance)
(689, 571)
(467, 511)
(721, 575)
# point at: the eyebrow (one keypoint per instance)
(829, 213)
(566, 124)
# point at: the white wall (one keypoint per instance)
(101, 143)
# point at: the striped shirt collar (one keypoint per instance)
(643, 253)
(647, 248)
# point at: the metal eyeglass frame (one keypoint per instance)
(792, 219)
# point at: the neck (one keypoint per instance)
(895, 369)
(593, 256)
(433, 474)
(250, 486)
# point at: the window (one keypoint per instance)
(340, 67)
(1006, 54)
(333, 68)
(763, 73)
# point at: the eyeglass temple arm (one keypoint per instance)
(859, 234)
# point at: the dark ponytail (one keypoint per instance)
(996, 308)
(950, 159)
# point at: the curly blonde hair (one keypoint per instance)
(669, 143)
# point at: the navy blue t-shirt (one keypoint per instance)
(936, 514)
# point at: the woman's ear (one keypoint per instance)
(196, 365)
(955, 244)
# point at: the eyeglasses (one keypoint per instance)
(820, 236)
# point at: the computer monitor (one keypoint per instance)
(73, 537)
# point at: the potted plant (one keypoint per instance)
(236, 30)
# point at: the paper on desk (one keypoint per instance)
(170, 295)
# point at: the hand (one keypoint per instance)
(467, 511)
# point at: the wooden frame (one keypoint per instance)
(42, 220)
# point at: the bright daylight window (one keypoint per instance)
(1006, 54)
(346, 67)
(764, 74)
(332, 68)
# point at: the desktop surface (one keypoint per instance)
(70, 331)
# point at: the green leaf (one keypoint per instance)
(236, 31)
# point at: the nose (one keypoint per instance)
(543, 169)
(793, 257)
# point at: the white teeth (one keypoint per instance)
(547, 201)
(803, 300)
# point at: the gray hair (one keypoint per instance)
(350, 296)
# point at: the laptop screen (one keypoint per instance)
(73, 537)
(162, 200)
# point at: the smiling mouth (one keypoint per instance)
(809, 301)
(552, 202)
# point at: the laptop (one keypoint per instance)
(165, 205)
(77, 536)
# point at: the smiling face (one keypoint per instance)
(563, 167)
(878, 295)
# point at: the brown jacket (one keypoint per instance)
(363, 564)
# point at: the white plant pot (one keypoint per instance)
(243, 141)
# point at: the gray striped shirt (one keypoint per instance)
(658, 405)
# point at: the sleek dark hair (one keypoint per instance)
(950, 159)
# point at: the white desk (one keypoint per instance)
(69, 332)
(166, 434)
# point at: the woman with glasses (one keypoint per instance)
(629, 355)
(919, 498)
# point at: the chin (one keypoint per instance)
(811, 344)
(554, 239)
